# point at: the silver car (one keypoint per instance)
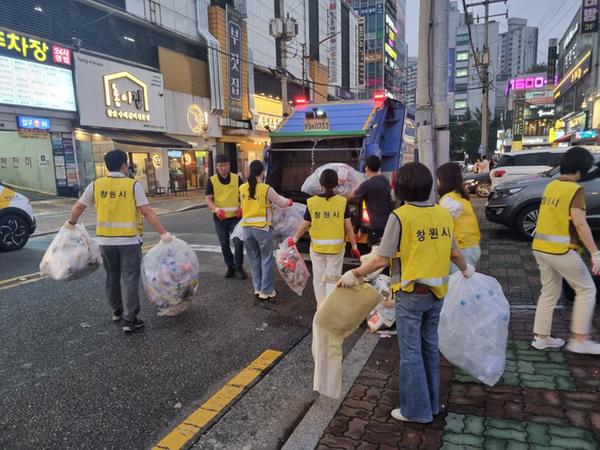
(516, 204)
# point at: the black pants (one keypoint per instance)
(224, 228)
(123, 262)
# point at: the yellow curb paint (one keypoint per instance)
(196, 421)
(19, 278)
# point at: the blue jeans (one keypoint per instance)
(224, 228)
(417, 319)
(259, 246)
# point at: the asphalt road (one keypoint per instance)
(70, 378)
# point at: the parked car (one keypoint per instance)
(478, 183)
(17, 221)
(529, 162)
(516, 204)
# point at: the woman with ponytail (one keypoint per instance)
(256, 198)
(327, 219)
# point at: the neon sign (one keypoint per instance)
(526, 83)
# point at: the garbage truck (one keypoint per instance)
(347, 132)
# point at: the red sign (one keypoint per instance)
(61, 55)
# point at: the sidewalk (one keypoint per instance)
(52, 213)
(545, 400)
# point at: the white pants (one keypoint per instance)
(326, 269)
(553, 268)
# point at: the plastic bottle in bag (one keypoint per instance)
(170, 274)
(348, 179)
(72, 254)
(291, 267)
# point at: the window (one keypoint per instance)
(462, 73)
(460, 104)
(532, 159)
(462, 56)
(462, 39)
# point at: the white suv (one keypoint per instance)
(523, 163)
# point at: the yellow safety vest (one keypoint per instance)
(552, 230)
(254, 210)
(117, 213)
(425, 247)
(327, 224)
(466, 225)
(6, 197)
(226, 196)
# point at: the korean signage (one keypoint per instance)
(114, 95)
(270, 112)
(526, 83)
(518, 116)
(332, 31)
(389, 44)
(589, 16)
(545, 97)
(33, 123)
(190, 115)
(539, 112)
(234, 50)
(17, 45)
(320, 124)
(361, 51)
(575, 75)
(552, 60)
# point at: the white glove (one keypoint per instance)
(349, 280)
(596, 263)
(469, 271)
(69, 226)
(167, 237)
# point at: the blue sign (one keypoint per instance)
(33, 123)
(174, 153)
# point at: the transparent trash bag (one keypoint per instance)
(473, 326)
(238, 232)
(170, 275)
(348, 179)
(291, 267)
(72, 254)
(384, 314)
(286, 221)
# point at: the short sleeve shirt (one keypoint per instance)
(377, 194)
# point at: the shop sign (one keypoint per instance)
(17, 45)
(114, 95)
(373, 57)
(320, 124)
(552, 60)
(157, 161)
(33, 123)
(174, 153)
(576, 123)
(234, 50)
(589, 16)
(539, 97)
(526, 83)
(43, 161)
(332, 31)
(586, 134)
(270, 112)
(197, 119)
(361, 51)
(33, 134)
(570, 34)
(518, 116)
(576, 74)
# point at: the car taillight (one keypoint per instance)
(498, 173)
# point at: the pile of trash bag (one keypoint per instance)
(291, 267)
(286, 221)
(72, 254)
(170, 274)
(473, 328)
(348, 179)
(384, 314)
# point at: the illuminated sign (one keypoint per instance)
(518, 122)
(586, 134)
(361, 51)
(580, 70)
(33, 123)
(26, 83)
(589, 16)
(15, 44)
(127, 104)
(197, 119)
(157, 161)
(174, 153)
(552, 60)
(390, 51)
(569, 35)
(332, 31)
(234, 74)
(545, 97)
(526, 83)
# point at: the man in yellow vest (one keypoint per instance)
(560, 227)
(222, 196)
(120, 204)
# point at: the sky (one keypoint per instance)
(551, 16)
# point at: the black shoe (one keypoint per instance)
(128, 326)
(230, 273)
(117, 316)
(241, 274)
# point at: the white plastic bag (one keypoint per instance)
(384, 314)
(291, 267)
(286, 221)
(348, 179)
(473, 326)
(170, 276)
(72, 254)
(238, 232)
(365, 258)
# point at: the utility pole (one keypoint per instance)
(284, 78)
(283, 28)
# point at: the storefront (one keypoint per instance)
(37, 109)
(123, 107)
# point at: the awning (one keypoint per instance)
(566, 138)
(141, 138)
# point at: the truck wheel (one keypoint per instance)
(483, 189)
(527, 220)
(14, 232)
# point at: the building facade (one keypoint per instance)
(518, 48)
(411, 83)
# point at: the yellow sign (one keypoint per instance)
(197, 119)
(270, 111)
(24, 45)
(128, 104)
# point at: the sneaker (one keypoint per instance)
(547, 342)
(117, 316)
(256, 294)
(128, 326)
(267, 296)
(397, 414)
(241, 274)
(230, 273)
(587, 347)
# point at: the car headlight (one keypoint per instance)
(501, 193)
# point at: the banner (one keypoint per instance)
(234, 51)
(589, 16)
(518, 119)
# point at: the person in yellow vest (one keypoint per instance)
(328, 219)
(418, 243)
(223, 198)
(256, 198)
(455, 198)
(560, 227)
(120, 204)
